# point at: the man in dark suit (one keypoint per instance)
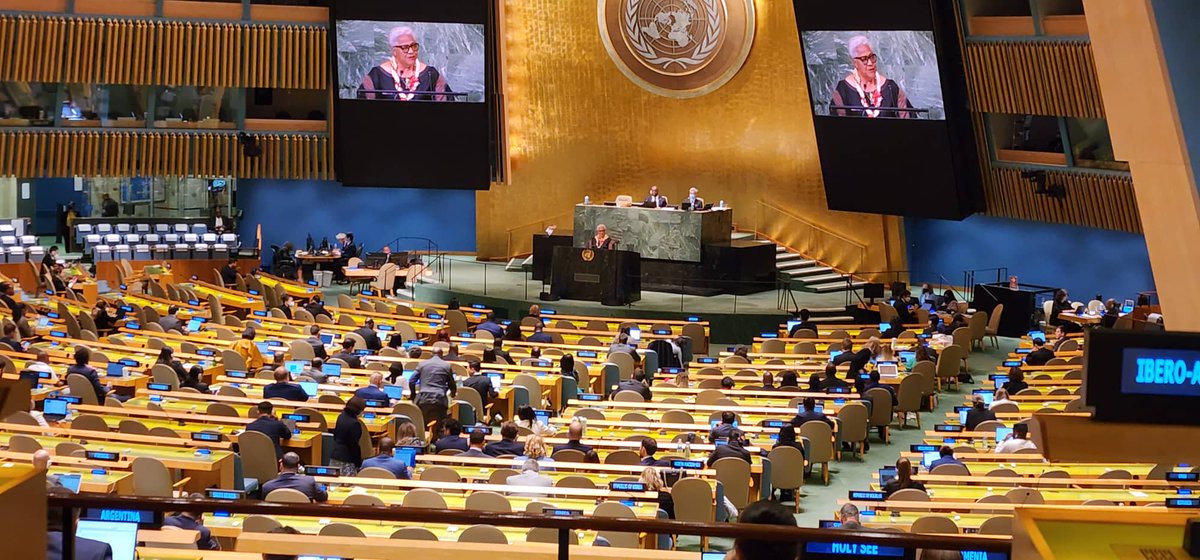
(491, 326)
(314, 340)
(810, 413)
(347, 354)
(803, 324)
(367, 331)
(290, 477)
(481, 383)
(349, 249)
(85, 549)
(508, 444)
(317, 307)
(476, 440)
(283, 388)
(637, 384)
(108, 206)
(499, 351)
(831, 382)
(725, 429)
(452, 438)
(647, 450)
(1040, 354)
(732, 449)
(947, 458)
(539, 335)
(374, 390)
(268, 424)
(574, 434)
(655, 200)
(11, 339)
(171, 321)
(193, 521)
(979, 413)
(7, 296)
(874, 383)
(229, 272)
(693, 201)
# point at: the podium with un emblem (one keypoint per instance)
(608, 277)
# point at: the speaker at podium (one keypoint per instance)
(607, 277)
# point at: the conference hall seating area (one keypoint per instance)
(158, 241)
(155, 432)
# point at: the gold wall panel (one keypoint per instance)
(139, 52)
(578, 127)
(125, 153)
(1037, 78)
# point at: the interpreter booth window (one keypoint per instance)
(28, 103)
(108, 106)
(1027, 139)
(157, 197)
(191, 107)
(304, 110)
(1091, 144)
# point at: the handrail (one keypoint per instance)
(525, 520)
(808, 223)
(510, 252)
(811, 250)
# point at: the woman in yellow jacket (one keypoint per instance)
(249, 352)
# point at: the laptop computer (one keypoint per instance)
(70, 481)
(310, 388)
(295, 367)
(332, 370)
(887, 369)
(122, 537)
(54, 409)
(394, 392)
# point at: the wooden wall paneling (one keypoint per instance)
(323, 60)
(5, 158)
(58, 49)
(6, 57)
(22, 48)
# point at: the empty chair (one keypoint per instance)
(1025, 496)
(575, 481)
(488, 501)
(622, 457)
(21, 443)
(440, 474)
(287, 496)
(152, 478)
(487, 534)
(414, 534)
(934, 524)
(424, 498)
(549, 536)
(999, 525)
(787, 470)
(909, 495)
(135, 427)
(617, 509)
(341, 530)
(376, 472)
(820, 437)
(259, 524)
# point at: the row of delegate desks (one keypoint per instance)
(214, 468)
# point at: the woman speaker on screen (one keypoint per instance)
(866, 92)
(402, 76)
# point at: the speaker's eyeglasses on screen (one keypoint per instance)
(414, 47)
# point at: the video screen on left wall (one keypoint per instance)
(411, 61)
(416, 93)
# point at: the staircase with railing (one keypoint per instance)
(809, 257)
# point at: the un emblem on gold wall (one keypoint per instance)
(678, 48)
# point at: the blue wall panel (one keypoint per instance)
(291, 210)
(1176, 21)
(1085, 261)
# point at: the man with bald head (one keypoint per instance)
(283, 388)
(41, 460)
(574, 434)
(374, 390)
(655, 200)
(387, 461)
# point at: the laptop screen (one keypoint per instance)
(263, 347)
(407, 454)
(70, 481)
(394, 392)
(326, 339)
(496, 378)
(194, 325)
(543, 416)
(1003, 432)
(928, 457)
(295, 367)
(334, 370)
(122, 537)
(115, 369)
(310, 388)
(909, 358)
(54, 407)
(886, 474)
(1001, 380)
(988, 398)
(962, 417)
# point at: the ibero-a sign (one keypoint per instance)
(678, 48)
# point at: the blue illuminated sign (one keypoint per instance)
(854, 549)
(1172, 373)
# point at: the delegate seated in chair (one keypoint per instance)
(290, 477)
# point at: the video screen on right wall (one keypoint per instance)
(888, 93)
